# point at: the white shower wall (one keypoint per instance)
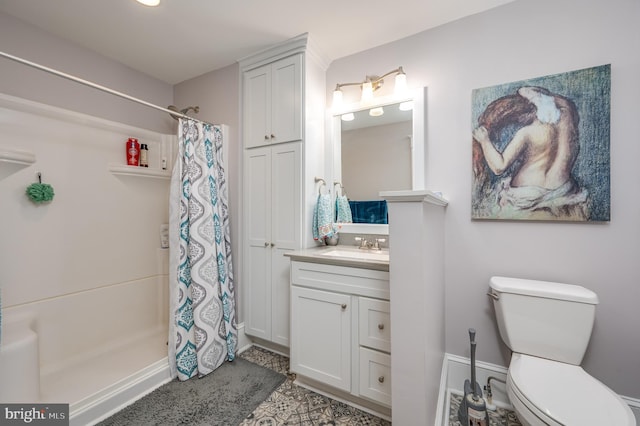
(86, 269)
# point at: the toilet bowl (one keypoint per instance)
(545, 392)
(548, 327)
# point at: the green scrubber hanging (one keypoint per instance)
(40, 192)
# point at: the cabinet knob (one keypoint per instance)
(273, 244)
(381, 379)
(273, 136)
(344, 306)
(380, 326)
(266, 137)
(266, 244)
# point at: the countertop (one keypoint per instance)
(321, 254)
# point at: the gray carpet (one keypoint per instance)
(224, 397)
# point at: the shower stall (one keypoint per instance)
(83, 277)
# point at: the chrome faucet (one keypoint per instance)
(366, 244)
(376, 243)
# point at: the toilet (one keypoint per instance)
(548, 326)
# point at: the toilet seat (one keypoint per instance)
(563, 394)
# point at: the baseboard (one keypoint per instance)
(455, 370)
(244, 342)
(114, 398)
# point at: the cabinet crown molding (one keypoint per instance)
(302, 43)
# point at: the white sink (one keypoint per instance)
(358, 254)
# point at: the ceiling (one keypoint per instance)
(182, 39)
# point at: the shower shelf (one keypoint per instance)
(119, 169)
(22, 158)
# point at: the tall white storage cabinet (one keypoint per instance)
(272, 208)
(273, 102)
(283, 95)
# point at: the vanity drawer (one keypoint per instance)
(375, 376)
(341, 279)
(374, 324)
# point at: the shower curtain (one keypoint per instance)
(202, 326)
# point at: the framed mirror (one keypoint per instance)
(377, 148)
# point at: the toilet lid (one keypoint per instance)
(566, 393)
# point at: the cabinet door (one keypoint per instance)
(286, 231)
(286, 100)
(257, 242)
(321, 336)
(257, 107)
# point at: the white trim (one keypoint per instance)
(421, 195)
(114, 398)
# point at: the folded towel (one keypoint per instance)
(369, 211)
(323, 217)
(343, 210)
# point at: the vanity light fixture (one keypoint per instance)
(370, 84)
(149, 2)
(348, 116)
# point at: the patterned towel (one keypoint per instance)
(369, 211)
(343, 210)
(323, 217)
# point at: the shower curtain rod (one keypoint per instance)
(96, 86)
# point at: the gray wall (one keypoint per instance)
(521, 40)
(23, 40)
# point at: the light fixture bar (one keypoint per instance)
(370, 85)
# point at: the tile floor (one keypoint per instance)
(499, 417)
(294, 405)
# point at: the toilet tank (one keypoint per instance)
(544, 319)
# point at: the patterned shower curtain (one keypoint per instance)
(202, 327)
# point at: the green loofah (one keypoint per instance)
(40, 192)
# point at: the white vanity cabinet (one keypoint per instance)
(272, 102)
(283, 99)
(340, 330)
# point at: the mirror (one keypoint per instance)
(378, 153)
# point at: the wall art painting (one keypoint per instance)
(541, 148)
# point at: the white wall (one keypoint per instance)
(28, 42)
(521, 40)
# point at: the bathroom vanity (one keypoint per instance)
(340, 324)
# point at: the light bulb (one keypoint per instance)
(149, 2)
(348, 116)
(376, 112)
(401, 85)
(367, 93)
(337, 99)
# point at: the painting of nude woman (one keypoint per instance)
(541, 148)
